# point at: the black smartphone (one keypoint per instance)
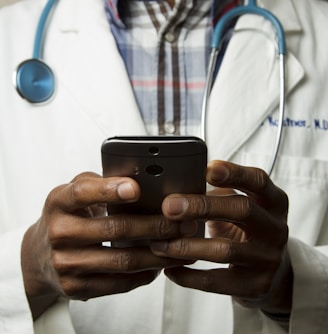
(161, 165)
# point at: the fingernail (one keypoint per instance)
(219, 173)
(159, 246)
(126, 191)
(177, 205)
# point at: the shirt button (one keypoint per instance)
(170, 36)
(169, 128)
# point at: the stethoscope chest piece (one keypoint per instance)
(35, 81)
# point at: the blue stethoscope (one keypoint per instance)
(35, 80)
(250, 8)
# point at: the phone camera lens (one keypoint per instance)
(154, 170)
(154, 150)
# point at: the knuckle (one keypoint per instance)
(223, 251)
(181, 247)
(85, 175)
(51, 203)
(123, 261)
(204, 207)
(116, 229)
(165, 229)
(74, 288)
(59, 232)
(60, 263)
(77, 191)
(67, 261)
(56, 234)
(262, 179)
(245, 208)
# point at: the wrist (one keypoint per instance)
(40, 294)
(278, 304)
(279, 299)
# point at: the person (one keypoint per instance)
(138, 68)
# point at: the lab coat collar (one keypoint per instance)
(287, 14)
(84, 31)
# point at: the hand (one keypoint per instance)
(63, 255)
(249, 232)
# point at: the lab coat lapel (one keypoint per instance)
(86, 45)
(247, 89)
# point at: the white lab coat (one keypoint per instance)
(44, 146)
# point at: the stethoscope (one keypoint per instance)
(216, 44)
(35, 80)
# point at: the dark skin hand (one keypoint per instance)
(249, 232)
(63, 255)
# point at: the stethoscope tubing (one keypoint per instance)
(41, 28)
(217, 38)
(250, 8)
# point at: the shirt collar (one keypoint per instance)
(114, 8)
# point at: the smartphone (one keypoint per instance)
(161, 165)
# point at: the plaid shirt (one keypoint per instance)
(166, 54)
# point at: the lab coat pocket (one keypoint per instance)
(305, 180)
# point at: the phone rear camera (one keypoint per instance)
(154, 170)
(153, 150)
